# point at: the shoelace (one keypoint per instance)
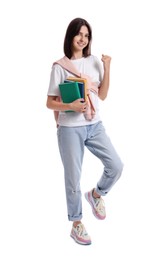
(99, 204)
(81, 230)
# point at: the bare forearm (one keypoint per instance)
(57, 106)
(103, 90)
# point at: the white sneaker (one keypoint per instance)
(97, 204)
(80, 235)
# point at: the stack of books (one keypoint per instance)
(72, 89)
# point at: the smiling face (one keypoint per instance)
(80, 41)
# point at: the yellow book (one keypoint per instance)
(80, 80)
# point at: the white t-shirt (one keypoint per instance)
(90, 66)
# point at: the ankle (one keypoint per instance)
(95, 194)
(75, 223)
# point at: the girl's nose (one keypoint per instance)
(82, 38)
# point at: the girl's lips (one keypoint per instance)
(81, 44)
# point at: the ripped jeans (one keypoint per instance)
(72, 141)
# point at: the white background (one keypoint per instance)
(33, 217)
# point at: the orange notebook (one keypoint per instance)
(80, 80)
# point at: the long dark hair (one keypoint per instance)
(72, 30)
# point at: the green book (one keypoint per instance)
(69, 92)
(81, 87)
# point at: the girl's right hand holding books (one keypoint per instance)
(79, 105)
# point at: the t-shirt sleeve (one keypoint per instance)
(99, 68)
(101, 71)
(55, 80)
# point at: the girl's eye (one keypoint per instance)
(86, 35)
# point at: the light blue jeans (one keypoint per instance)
(72, 141)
